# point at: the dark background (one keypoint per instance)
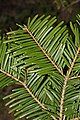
(17, 11)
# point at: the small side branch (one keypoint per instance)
(48, 57)
(75, 77)
(24, 85)
(73, 3)
(65, 83)
(28, 90)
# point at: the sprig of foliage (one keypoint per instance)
(44, 60)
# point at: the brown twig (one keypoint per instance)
(65, 83)
(49, 58)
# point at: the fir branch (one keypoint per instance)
(24, 85)
(65, 83)
(74, 77)
(46, 54)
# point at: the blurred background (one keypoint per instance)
(18, 11)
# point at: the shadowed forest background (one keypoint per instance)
(17, 11)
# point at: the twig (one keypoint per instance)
(73, 3)
(27, 89)
(75, 77)
(53, 63)
(22, 83)
(65, 83)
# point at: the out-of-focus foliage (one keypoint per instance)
(16, 11)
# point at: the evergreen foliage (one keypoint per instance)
(43, 58)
